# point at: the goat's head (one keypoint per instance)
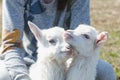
(85, 39)
(51, 43)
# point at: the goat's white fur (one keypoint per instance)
(87, 44)
(53, 52)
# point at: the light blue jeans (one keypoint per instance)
(14, 68)
(4, 75)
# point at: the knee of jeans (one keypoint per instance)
(105, 71)
(109, 72)
(4, 74)
(105, 66)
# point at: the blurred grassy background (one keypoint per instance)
(105, 16)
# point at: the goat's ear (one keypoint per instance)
(35, 30)
(101, 38)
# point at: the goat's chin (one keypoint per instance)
(62, 57)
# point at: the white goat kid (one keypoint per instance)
(52, 54)
(87, 43)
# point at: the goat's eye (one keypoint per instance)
(52, 41)
(86, 36)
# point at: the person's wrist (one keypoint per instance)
(10, 40)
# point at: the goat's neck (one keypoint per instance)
(51, 61)
(84, 67)
(81, 60)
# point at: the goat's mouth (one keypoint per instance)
(67, 51)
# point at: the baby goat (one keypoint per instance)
(87, 43)
(53, 52)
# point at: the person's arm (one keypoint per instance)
(80, 13)
(12, 32)
(12, 23)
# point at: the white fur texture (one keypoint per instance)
(53, 52)
(87, 44)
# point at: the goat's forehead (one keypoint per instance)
(55, 31)
(81, 29)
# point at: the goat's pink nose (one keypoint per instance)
(68, 35)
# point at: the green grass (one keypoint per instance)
(105, 16)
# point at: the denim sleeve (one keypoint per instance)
(14, 63)
(80, 13)
(13, 14)
(11, 47)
